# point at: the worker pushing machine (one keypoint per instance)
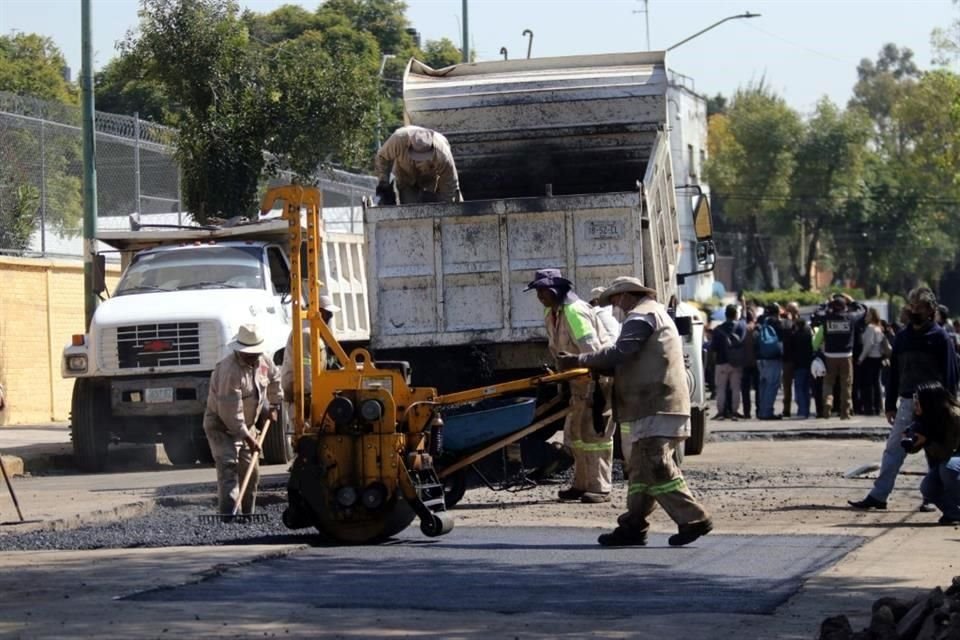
(422, 165)
(573, 327)
(652, 405)
(244, 389)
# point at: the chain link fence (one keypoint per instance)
(41, 174)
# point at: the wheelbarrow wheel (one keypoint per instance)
(454, 487)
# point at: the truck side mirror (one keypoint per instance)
(99, 273)
(702, 220)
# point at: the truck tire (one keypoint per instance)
(89, 424)
(277, 448)
(454, 487)
(698, 432)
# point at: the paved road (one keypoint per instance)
(529, 569)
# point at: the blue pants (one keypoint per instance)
(893, 453)
(941, 486)
(770, 371)
(801, 391)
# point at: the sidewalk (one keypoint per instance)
(857, 427)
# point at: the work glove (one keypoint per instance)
(385, 194)
(567, 361)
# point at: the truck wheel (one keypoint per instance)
(276, 446)
(698, 432)
(89, 424)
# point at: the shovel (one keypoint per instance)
(236, 516)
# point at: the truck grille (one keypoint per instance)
(158, 345)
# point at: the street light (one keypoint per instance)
(383, 64)
(746, 14)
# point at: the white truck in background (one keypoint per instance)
(563, 162)
(143, 368)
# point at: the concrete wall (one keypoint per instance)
(41, 306)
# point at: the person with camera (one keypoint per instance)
(922, 353)
(936, 430)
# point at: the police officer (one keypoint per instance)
(244, 388)
(839, 326)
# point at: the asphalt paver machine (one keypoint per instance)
(367, 444)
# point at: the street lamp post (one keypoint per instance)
(739, 16)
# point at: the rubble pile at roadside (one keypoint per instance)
(930, 616)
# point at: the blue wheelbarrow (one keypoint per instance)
(494, 441)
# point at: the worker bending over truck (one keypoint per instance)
(422, 165)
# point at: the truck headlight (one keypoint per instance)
(77, 364)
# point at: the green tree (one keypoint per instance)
(946, 41)
(441, 53)
(32, 65)
(750, 169)
(122, 86)
(385, 20)
(716, 104)
(828, 172)
(879, 85)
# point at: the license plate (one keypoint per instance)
(161, 394)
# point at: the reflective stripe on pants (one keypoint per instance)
(592, 452)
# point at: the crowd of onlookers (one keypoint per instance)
(849, 360)
(758, 351)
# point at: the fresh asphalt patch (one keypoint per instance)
(530, 569)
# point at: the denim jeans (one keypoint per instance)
(893, 453)
(941, 487)
(801, 391)
(770, 371)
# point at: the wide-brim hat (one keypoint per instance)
(420, 147)
(626, 284)
(545, 278)
(596, 292)
(248, 340)
(326, 303)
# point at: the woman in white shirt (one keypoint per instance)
(871, 363)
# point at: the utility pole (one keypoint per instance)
(89, 162)
(466, 35)
(646, 17)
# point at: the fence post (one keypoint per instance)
(136, 158)
(43, 187)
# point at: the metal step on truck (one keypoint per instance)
(563, 162)
(143, 368)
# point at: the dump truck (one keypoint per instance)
(142, 369)
(563, 162)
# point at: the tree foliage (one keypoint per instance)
(441, 53)
(32, 65)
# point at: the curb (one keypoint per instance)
(121, 512)
(875, 434)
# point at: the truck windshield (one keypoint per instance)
(202, 267)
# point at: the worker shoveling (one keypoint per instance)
(367, 444)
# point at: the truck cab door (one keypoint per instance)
(280, 281)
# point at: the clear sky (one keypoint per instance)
(803, 49)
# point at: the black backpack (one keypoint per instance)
(733, 347)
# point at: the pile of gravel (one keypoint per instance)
(932, 616)
(165, 526)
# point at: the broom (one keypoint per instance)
(236, 516)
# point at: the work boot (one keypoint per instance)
(944, 520)
(623, 537)
(690, 532)
(868, 503)
(570, 494)
(590, 497)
